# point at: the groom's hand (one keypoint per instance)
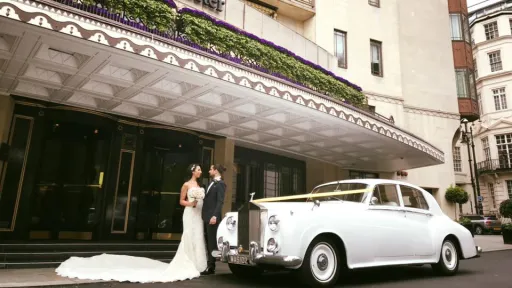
(213, 220)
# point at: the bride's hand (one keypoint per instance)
(194, 203)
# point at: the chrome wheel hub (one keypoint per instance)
(322, 262)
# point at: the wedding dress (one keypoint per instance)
(189, 261)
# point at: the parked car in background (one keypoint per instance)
(485, 224)
(349, 224)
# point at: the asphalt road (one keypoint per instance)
(493, 269)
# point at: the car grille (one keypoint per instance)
(249, 225)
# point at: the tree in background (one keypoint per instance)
(456, 195)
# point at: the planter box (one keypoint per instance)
(507, 236)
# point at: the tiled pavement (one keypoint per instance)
(47, 276)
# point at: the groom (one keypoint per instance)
(212, 213)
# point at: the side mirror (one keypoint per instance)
(374, 201)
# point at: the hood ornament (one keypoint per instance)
(252, 196)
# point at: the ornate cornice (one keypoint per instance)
(91, 29)
(430, 112)
(384, 98)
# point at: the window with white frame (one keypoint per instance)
(495, 61)
(457, 160)
(491, 30)
(491, 192)
(486, 148)
(340, 48)
(456, 25)
(510, 22)
(376, 57)
(465, 83)
(504, 145)
(500, 99)
(509, 188)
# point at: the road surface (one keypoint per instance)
(493, 269)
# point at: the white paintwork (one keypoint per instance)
(372, 235)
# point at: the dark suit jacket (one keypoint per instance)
(213, 201)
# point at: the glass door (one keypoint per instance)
(159, 215)
(67, 199)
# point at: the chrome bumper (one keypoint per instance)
(256, 258)
(478, 251)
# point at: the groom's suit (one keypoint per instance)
(212, 206)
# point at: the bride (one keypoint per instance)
(189, 261)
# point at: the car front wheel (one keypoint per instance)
(448, 263)
(321, 266)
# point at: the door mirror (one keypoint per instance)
(374, 201)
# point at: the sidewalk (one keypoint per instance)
(47, 276)
(491, 243)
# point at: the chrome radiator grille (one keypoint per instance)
(249, 225)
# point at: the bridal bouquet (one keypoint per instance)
(196, 194)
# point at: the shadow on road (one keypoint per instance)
(358, 278)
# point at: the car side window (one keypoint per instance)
(413, 198)
(385, 195)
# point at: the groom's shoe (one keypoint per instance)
(208, 271)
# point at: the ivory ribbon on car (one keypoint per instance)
(311, 196)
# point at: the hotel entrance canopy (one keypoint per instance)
(59, 54)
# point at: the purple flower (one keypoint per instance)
(268, 43)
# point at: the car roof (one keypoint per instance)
(372, 181)
(435, 208)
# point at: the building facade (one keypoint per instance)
(491, 33)
(101, 115)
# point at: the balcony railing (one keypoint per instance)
(494, 166)
(310, 3)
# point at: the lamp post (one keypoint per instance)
(477, 176)
(468, 140)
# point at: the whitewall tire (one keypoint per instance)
(449, 259)
(322, 264)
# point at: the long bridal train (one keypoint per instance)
(189, 261)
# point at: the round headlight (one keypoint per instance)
(273, 223)
(220, 243)
(230, 223)
(272, 245)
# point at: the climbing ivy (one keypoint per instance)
(153, 14)
(202, 31)
(224, 41)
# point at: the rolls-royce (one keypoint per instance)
(342, 225)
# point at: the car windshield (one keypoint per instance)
(341, 187)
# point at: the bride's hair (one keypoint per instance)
(190, 170)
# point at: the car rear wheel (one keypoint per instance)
(479, 230)
(448, 263)
(322, 264)
(245, 272)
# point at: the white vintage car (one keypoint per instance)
(342, 225)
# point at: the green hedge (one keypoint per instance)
(214, 37)
(222, 40)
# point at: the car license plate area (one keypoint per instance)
(239, 259)
(497, 229)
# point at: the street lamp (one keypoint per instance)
(467, 138)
